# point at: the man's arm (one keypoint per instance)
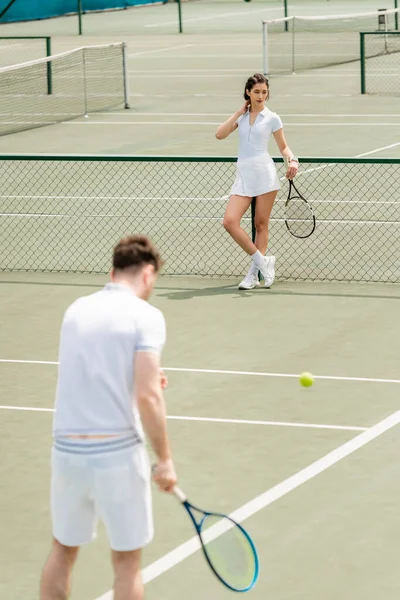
(151, 405)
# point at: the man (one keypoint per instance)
(109, 384)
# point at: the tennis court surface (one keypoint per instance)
(313, 473)
(240, 425)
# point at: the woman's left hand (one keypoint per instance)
(292, 169)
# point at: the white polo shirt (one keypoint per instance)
(100, 335)
(253, 139)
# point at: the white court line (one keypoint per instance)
(179, 554)
(343, 222)
(160, 50)
(141, 198)
(281, 114)
(214, 17)
(329, 165)
(217, 420)
(378, 150)
(228, 56)
(225, 372)
(272, 423)
(174, 123)
(209, 200)
(212, 94)
(27, 408)
(218, 75)
(347, 74)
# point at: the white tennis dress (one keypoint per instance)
(256, 172)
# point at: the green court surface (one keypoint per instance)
(182, 86)
(242, 427)
(240, 424)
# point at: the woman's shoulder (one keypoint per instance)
(273, 120)
(270, 114)
(243, 118)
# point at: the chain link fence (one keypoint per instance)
(380, 63)
(64, 214)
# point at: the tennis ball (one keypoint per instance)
(306, 379)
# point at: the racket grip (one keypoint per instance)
(179, 494)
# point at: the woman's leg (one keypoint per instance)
(236, 207)
(264, 204)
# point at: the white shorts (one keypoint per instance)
(113, 486)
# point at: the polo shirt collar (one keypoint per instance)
(111, 286)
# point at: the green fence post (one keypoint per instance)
(362, 61)
(396, 16)
(286, 14)
(180, 16)
(253, 217)
(80, 10)
(253, 226)
(49, 70)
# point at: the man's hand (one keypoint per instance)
(164, 475)
(163, 379)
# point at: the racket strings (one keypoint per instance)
(299, 217)
(231, 554)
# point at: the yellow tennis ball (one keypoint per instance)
(306, 379)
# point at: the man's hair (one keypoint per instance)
(136, 251)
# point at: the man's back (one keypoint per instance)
(109, 384)
(99, 337)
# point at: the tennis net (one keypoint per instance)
(314, 42)
(19, 49)
(380, 64)
(62, 87)
(65, 213)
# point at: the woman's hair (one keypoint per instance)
(252, 81)
(136, 251)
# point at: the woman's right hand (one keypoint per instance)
(244, 108)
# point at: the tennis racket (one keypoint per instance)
(227, 547)
(299, 215)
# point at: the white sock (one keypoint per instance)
(258, 259)
(253, 267)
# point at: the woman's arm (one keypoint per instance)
(286, 153)
(230, 125)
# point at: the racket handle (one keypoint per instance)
(179, 494)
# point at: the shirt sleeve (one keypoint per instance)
(276, 123)
(239, 119)
(152, 332)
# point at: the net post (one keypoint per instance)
(80, 10)
(180, 16)
(286, 15)
(125, 72)
(396, 15)
(85, 99)
(265, 49)
(48, 46)
(362, 61)
(49, 68)
(293, 45)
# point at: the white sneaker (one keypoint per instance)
(268, 271)
(251, 279)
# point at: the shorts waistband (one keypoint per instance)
(91, 446)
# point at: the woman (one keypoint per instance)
(256, 176)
